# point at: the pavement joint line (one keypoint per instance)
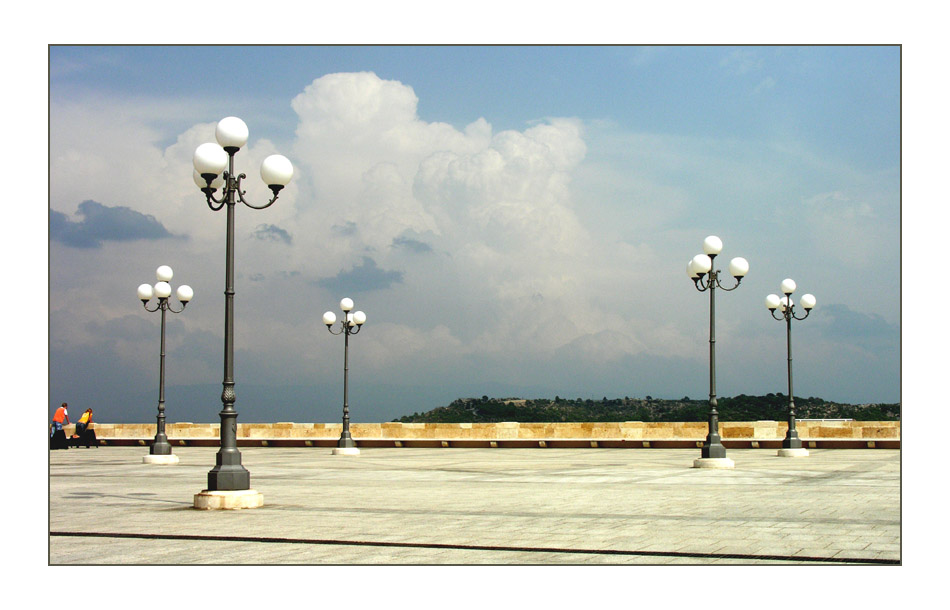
(472, 547)
(651, 518)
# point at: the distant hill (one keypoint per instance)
(649, 409)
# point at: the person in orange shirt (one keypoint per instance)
(60, 415)
(57, 438)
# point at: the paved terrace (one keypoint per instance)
(480, 506)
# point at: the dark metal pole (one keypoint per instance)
(346, 440)
(228, 473)
(791, 440)
(713, 447)
(160, 445)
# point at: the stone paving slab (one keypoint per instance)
(479, 506)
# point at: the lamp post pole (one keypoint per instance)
(792, 444)
(351, 324)
(211, 161)
(161, 450)
(702, 271)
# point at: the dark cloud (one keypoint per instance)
(272, 233)
(344, 230)
(101, 223)
(362, 278)
(411, 245)
(840, 322)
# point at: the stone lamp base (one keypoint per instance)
(802, 452)
(228, 500)
(713, 463)
(346, 451)
(160, 459)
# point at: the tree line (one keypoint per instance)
(648, 409)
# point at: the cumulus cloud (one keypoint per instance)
(509, 266)
(101, 223)
(498, 204)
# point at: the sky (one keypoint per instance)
(527, 236)
(513, 220)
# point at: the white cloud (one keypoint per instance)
(499, 203)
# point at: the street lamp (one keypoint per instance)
(161, 451)
(229, 482)
(349, 325)
(704, 275)
(792, 445)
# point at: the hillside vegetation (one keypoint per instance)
(649, 409)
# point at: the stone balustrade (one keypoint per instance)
(758, 434)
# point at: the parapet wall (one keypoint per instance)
(758, 434)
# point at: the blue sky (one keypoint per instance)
(514, 221)
(718, 91)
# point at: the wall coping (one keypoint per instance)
(763, 433)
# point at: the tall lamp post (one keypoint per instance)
(349, 325)
(229, 482)
(706, 278)
(161, 450)
(791, 445)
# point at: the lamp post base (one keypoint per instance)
(346, 439)
(160, 459)
(160, 446)
(786, 452)
(229, 474)
(720, 463)
(346, 451)
(228, 500)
